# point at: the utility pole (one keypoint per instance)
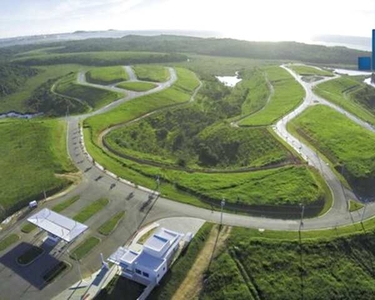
(158, 182)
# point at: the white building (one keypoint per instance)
(148, 265)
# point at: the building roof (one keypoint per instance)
(129, 256)
(148, 261)
(159, 239)
(58, 225)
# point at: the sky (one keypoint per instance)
(272, 20)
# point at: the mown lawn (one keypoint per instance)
(151, 73)
(84, 247)
(309, 70)
(32, 152)
(107, 75)
(65, 204)
(342, 141)
(8, 241)
(351, 95)
(136, 86)
(111, 224)
(94, 97)
(288, 93)
(28, 227)
(90, 210)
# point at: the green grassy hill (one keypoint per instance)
(32, 152)
(344, 142)
(151, 73)
(107, 75)
(288, 93)
(136, 86)
(94, 97)
(352, 95)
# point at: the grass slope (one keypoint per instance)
(94, 97)
(351, 95)
(259, 92)
(343, 142)
(288, 93)
(107, 75)
(136, 86)
(261, 268)
(309, 71)
(32, 152)
(151, 73)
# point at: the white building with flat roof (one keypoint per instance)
(150, 264)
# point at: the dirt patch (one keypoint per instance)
(192, 285)
(75, 178)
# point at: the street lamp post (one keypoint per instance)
(302, 213)
(79, 265)
(222, 204)
(364, 211)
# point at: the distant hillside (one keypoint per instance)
(219, 47)
(12, 77)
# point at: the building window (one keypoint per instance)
(138, 271)
(146, 274)
(158, 275)
(163, 268)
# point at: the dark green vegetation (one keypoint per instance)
(110, 225)
(94, 97)
(215, 47)
(90, 210)
(136, 86)
(36, 86)
(65, 204)
(261, 268)
(288, 93)
(120, 286)
(347, 145)
(32, 152)
(28, 227)
(188, 137)
(309, 71)
(151, 73)
(84, 247)
(45, 100)
(55, 271)
(114, 58)
(354, 96)
(13, 77)
(30, 255)
(8, 241)
(107, 75)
